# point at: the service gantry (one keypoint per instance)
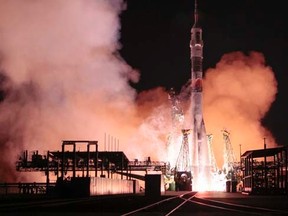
(229, 166)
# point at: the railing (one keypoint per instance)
(24, 188)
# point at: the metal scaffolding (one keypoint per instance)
(229, 166)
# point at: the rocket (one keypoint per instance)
(196, 46)
(199, 145)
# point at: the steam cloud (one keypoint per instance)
(62, 78)
(238, 92)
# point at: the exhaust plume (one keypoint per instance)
(238, 93)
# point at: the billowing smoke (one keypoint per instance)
(152, 134)
(61, 76)
(238, 92)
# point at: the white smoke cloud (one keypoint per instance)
(62, 75)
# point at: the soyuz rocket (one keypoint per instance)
(199, 144)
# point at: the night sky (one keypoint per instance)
(155, 37)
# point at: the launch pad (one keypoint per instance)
(193, 169)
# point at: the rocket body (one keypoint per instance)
(198, 127)
(200, 160)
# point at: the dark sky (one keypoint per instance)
(155, 36)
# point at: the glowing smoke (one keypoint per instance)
(238, 92)
(62, 76)
(155, 113)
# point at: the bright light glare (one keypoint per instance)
(218, 183)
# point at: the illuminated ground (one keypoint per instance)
(117, 205)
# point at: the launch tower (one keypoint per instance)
(182, 176)
(229, 165)
(177, 119)
(200, 161)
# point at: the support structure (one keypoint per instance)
(183, 175)
(183, 160)
(71, 163)
(75, 159)
(229, 166)
(211, 153)
(265, 171)
(177, 120)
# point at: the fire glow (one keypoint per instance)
(57, 86)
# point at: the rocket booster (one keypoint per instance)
(196, 47)
(198, 147)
